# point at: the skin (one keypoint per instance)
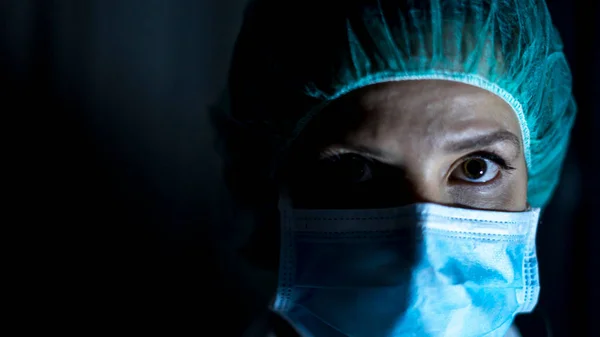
(398, 143)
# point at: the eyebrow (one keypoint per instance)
(464, 145)
(483, 141)
(363, 150)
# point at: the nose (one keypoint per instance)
(415, 184)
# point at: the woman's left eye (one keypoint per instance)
(476, 170)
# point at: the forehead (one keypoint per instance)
(431, 106)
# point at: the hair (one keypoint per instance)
(293, 58)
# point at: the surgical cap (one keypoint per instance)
(292, 58)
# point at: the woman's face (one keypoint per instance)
(398, 143)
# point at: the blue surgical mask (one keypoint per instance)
(418, 270)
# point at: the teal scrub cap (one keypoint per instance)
(292, 58)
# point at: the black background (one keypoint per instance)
(111, 178)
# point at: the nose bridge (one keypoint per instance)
(428, 191)
(423, 182)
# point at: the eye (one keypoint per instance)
(347, 168)
(476, 170)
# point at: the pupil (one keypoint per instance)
(475, 168)
(355, 169)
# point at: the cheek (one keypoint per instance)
(514, 198)
(509, 193)
(521, 187)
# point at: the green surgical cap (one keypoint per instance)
(292, 58)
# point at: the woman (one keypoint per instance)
(395, 155)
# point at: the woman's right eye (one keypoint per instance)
(347, 168)
(346, 181)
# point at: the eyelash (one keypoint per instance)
(332, 156)
(490, 156)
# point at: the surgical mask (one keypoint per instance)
(418, 270)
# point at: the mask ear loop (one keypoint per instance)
(281, 301)
(531, 291)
